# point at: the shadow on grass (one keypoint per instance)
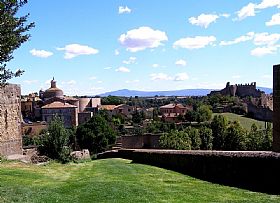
(253, 184)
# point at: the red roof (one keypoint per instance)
(58, 105)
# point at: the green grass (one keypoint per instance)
(112, 180)
(244, 121)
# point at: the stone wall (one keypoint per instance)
(147, 141)
(10, 120)
(276, 108)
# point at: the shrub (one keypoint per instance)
(179, 140)
(55, 141)
(95, 135)
(206, 138)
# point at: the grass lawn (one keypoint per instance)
(112, 180)
(244, 121)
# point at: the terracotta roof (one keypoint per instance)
(58, 105)
(169, 106)
(107, 107)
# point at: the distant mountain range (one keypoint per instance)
(184, 92)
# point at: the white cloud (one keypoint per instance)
(181, 77)
(203, 20)
(123, 69)
(195, 42)
(268, 3)
(107, 68)
(244, 38)
(132, 81)
(74, 50)
(99, 81)
(262, 51)
(131, 60)
(29, 82)
(93, 78)
(225, 15)
(251, 9)
(247, 11)
(275, 20)
(117, 52)
(160, 76)
(96, 88)
(123, 9)
(236, 76)
(181, 62)
(266, 39)
(41, 53)
(70, 82)
(142, 38)
(155, 65)
(48, 82)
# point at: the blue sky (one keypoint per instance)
(92, 46)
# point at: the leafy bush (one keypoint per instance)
(175, 140)
(206, 138)
(235, 137)
(54, 143)
(96, 134)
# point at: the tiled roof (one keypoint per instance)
(58, 105)
(169, 106)
(107, 107)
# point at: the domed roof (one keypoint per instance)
(53, 91)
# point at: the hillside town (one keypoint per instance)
(138, 108)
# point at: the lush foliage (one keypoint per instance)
(222, 135)
(96, 134)
(219, 127)
(175, 140)
(12, 34)
(112, 100)
(55, 142)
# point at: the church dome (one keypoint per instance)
(53, 91)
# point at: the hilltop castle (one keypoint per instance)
(239, 90)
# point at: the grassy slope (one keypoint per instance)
(112, 180)
(244, 121)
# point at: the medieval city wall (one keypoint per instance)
(10, 120)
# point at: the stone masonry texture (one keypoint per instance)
(10, 120)
(276, 108)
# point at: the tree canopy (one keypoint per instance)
(13, 33)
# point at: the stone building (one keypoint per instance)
(10, 120)
(239, 90)
(170, 112)
(72, 110)
(67, 112)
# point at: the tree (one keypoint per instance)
(96, 134)
(179, 140)
(55, 142)
(219, 126)
(194, 136)
(235, 137)
(204, 113)
(12, 34)
(206, 138)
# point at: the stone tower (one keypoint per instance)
(10, 120)
(276, 108)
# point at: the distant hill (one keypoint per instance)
(266, 89)
(133, 93)
(184, 92)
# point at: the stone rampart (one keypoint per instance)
(10, 120)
